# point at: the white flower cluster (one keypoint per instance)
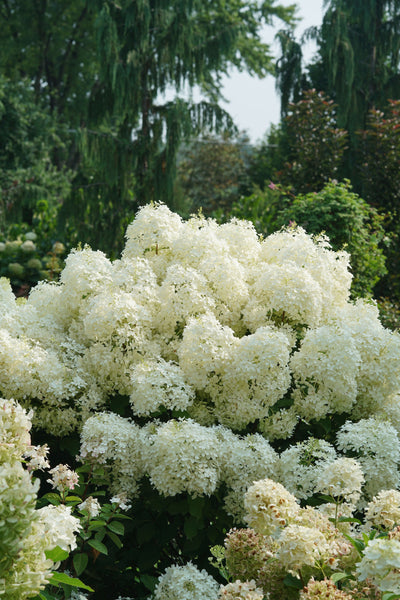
(301, 464)
(26, 533)
(381, 564)
(241, 590)
(177, 456)
(293, 538)
(206, 322)
(186, 583)
(377, 446)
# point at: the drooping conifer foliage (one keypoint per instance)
(104, 67)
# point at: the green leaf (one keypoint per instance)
(53, 498)
(146, 533)
(191, 527)
(358, 544)
(63, 578)
(114, 538)
(57, 554)
(80, 562)
(94, 525)
(149, 582)
(349, 520)
(99, 546)
(338, 576)
(74, 499)
(390, 596)
(293, 582)
(196, 506)
(116, 527)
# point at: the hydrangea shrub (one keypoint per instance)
(204, 359)
(26, 533)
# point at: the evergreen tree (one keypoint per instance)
(105, 67)
(357, 60)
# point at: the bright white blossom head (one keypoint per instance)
(384, 510)
(343, 479)
(269, 507)
(300, 546)
(91, 506)
(186, 582)
(60, 526)
(381, 564)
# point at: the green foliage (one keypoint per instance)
(261, 208)
(316, 144)
(28, 138)
(211, 172)
(389, 312)
(380, 155)
(29, 254)
(379, 169)
(268, 158)
(51, 44)
(350, 223)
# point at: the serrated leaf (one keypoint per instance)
(99, 546)
(116, 527)
(80, 562)
(67, 580)
(57, 554)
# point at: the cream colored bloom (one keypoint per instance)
(269, 507)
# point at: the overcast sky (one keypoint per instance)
(253, 103)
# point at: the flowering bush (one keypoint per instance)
(307, 554)
(202, 360)
(30, 538)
